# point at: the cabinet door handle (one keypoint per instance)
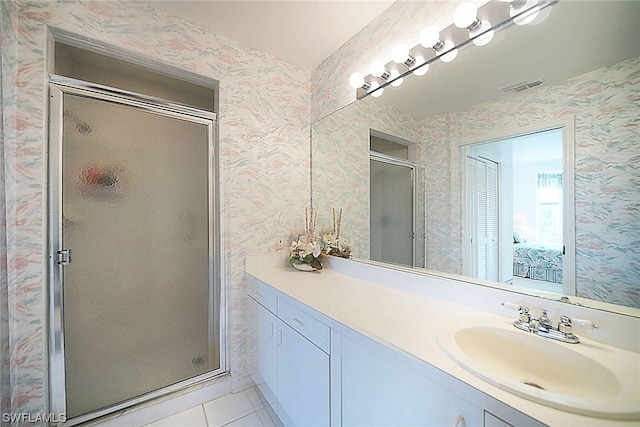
(459, 421)
(297, 322)
(279, 338)
(271, 330)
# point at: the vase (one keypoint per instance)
(304, 267)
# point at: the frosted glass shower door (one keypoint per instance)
(392, 212)
(138, 296)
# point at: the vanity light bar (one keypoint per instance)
(471, 25)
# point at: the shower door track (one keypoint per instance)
(59, 86)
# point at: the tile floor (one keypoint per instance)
(243, 409)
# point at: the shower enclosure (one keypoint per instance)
(392, 195)
(135, 299)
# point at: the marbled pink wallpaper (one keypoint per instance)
(263, 141)
(604, 102)
(606, 106)
(265, 106)
(606, 110)
(8, 87)
(341, 167)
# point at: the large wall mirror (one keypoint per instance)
(516, 164)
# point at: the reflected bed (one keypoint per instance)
(538, 261)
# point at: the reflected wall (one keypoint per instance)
(604, 104)
(341, 166)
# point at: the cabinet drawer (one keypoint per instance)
(263, 294)
(491, 420)
(309, 327)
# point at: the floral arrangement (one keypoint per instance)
(333, 244)
(305, 250)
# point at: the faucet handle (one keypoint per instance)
(585, 323)
(525, 316)
(510, 306)
(565, 325)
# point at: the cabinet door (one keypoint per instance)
(265, 373)
(303, 380)
(381, 388)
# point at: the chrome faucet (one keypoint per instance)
(544, 327)
(545, 322)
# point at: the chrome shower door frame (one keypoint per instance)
(58, 87)
(383, 158)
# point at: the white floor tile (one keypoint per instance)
(193, 417)
(254, 398)
(122, 421)
(251, 420)
(227, 409)
(146, 415)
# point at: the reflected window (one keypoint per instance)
(549, 207)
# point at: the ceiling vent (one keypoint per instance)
(519, 87)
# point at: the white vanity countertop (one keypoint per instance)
(407, 322)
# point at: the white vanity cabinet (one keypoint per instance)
(265, 376)
(303, 380)
(383, 388)
(292, 360)
(313, 374)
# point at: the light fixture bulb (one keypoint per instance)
(449, 56)
(485, 38)
(420, 62)
(356, 80)
(376, 69)
(465, 15)
(375, 86)
(429, 37)
(542, 16)
(395, 81)
(400, 53)
(532, 10)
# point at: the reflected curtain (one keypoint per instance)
(8, 95)
(549, 180)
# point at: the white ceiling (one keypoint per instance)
(577, 37)
(302, 32)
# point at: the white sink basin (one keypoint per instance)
(587, 378)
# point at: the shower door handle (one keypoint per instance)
(64, 257)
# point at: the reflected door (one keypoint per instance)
(392, 212)
(483, 218)
(139, 304)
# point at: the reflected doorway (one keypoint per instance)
(515, 211)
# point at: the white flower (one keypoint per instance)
(328, 239)
(316, 252)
